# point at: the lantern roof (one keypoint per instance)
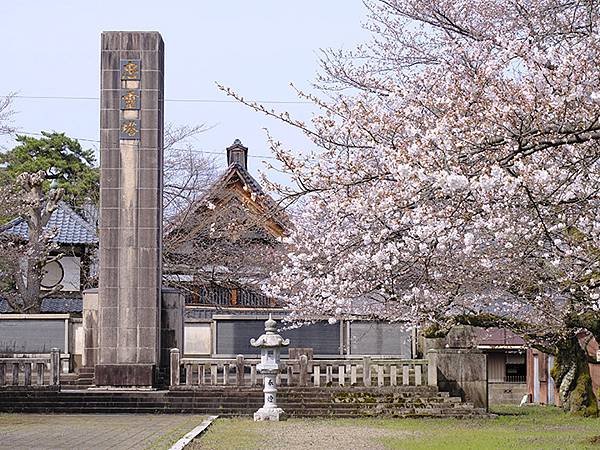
(271, 339)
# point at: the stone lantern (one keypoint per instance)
(270, 345)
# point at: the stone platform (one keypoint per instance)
(404, 401)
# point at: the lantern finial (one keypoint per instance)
(270, 325)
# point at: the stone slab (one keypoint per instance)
(120, 375)
(97, 431)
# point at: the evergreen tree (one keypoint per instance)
(66, 164)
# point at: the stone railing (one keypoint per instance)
(24, 371)
(368, 372)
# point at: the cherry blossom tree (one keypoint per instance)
(456, 176)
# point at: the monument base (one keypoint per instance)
(125, 375)
(272, 414)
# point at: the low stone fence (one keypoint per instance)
(23, 371)
(240, 371)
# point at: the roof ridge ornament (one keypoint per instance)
(237, 153)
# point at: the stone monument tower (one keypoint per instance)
(131, 160)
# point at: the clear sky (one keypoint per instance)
(51, 48)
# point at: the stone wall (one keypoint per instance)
(506, 393)
(462, 372)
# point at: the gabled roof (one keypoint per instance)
(71, 227)
(234, 171)
(237, 169)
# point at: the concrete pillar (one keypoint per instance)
(27, 374)
(55, 367)
(174, 369)
(171, 323)
(89, 357)
(131, 160)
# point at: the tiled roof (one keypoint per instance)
(72, 228)
(244, 175)
(248, 180)
(52, 305)
(199, 312)
(498, 337)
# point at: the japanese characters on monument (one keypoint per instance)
(130, 99)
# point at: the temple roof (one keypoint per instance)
(71, 227)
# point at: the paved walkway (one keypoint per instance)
(93, 431)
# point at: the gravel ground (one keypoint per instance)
(292, 435)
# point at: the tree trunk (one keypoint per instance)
(571, 373)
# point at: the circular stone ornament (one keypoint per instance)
(53, 274)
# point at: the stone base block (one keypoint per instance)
(272, 414)
(125, 375)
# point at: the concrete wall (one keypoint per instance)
(506, 393)
(197, 338)
(171, 331)
(34, 333)
(462, 372)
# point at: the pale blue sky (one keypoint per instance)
(51, 48)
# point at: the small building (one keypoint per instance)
(507, 364)
(59, 324)
(516, 370)
(227, 245)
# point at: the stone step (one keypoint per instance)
(241, 407)
(232, 401)
(323, 412)
(382, 390)
(74, 397)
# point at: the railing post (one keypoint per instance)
(201, 374)
(290, 374)
(405, 374)
(380, 375)
(2, 376)
(317, 375)
(367, 371)
(15, 374)
(239, 369)
(226, 373)
(393, 375)
(253, 375)
(341, 374)
(55, 367)
(40, 374)
(328, 375)
(418, 381)
(27, 373)
(189, 370)
(175, 367)
(353, 375)
(431, 369)
(213, 374)
(303, 363)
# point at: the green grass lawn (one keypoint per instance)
(527, 428)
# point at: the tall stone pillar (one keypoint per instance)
(131, 160)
